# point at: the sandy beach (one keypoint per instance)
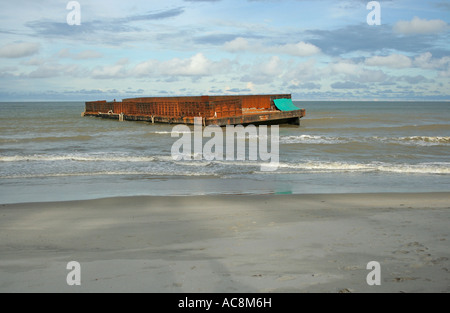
(228, 244)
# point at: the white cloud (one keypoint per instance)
(83, 55)
(271, 68)
(34, 62)
(354, 72)
(8, 71)
(237, 45)
(305, 71)
(397, 61)
(347, 85)
(344, 67)
(263, 71)
(420, 26)
(425, 61)
(54, 70)
(145, 68)
(123, 61)
(88, 54)
(117, 70)
(19, 50)
(301, 49)
(197, 65)
(445, 74)
(413, 80)
(369, 76)
(8, 68)
(64, 53)
(106, 72)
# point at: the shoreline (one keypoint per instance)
(227, 195)
(229, 243)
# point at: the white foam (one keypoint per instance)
(79, 158)
(417, 140)
(110, 173)
(309, 139)
(170, 132)
(423, 168)
(412, 140)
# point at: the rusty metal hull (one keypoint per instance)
(213, 110)
(292, 117)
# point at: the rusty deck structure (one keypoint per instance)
(214, 110)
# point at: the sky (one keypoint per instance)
(314, 50)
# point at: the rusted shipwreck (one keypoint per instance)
(213, 110)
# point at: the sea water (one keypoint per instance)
(48, 152)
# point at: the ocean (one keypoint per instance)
(48, 152)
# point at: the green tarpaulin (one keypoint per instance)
(285, 105)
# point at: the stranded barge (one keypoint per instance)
(213, 110)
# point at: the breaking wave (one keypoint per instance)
(418, 140)
(308, 139)
(79, 158)
(330, 140)
(46, 139)
(332, 167)
(112, 173)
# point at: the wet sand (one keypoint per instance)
(228, 244)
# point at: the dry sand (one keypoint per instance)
(287, 243)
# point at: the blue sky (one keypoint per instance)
(315, 50)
